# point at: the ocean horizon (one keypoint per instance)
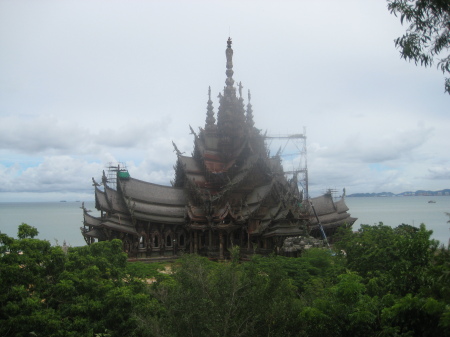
(60, 222)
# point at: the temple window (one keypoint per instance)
(141, 242)
(155, 241)
(169, 240)
(181, 240)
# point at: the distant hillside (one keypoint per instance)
(403, 194)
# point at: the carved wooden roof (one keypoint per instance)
(229, 181)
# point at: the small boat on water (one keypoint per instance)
(431, 202)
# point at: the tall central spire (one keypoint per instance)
(229, 90)
(231, 114)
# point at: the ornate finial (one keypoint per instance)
(229, 53)
(94, 183)
(249, 96)
(240, 89)
(210, 120)
(104, 179)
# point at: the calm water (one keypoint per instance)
(62, 220)
(394, 211)
(54, 220)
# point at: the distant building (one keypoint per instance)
(229, 192)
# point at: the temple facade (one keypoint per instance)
(229, 192)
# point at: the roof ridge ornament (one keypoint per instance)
(175, 149)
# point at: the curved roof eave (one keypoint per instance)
(152, 193)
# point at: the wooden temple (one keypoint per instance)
(229, 192)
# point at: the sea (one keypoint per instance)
(60, 222)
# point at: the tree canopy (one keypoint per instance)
(379, 281)
(27, 231)
(427, 38)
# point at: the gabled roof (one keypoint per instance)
(115, 200)
(139, 190)
(285, 231)
(91, 220)
(119, 227)
(324, 204)
(258, 194)
(159, 218)
(159, 210)
(95, 233)
(101, 202)
(330, 213)
(190, 165)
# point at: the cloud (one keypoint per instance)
(49, 134)
(39, 134)
(53, 174)
(439, 173)
(392, 146)
(88, 83)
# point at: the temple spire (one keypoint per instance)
(229, 89)
(249, 116)
(210, 120)
(231, 112)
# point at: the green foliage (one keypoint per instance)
(428, 33)
(226, 299)
(384, 282)
(342, 310)
(49, 293)
(144, 270)
(27, 231)
(315, 264)
(416, 316)
(397, 258)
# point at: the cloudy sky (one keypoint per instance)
(84, 83)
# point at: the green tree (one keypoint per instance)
(395, 258)
(204, 298)
(28, 269)
(86, 292)
(415, 315)
(427, 38)
(27, 231)
(343, 309)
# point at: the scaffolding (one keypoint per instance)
(113, 170)
(300, 155)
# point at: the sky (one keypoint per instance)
(85, 83)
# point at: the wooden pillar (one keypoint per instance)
(248, 240)
(220, 245)
(209, 239)
(191, 250)
(195, 242)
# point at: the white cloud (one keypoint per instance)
(87, 83)
(440, 173)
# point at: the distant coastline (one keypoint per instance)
(445, 192)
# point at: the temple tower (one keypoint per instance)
(231, 114)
